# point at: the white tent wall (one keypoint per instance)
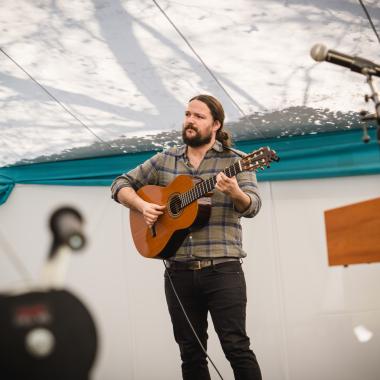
(302, 314)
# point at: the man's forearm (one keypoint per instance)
(150, 211)
(129, 198)
(241, 201)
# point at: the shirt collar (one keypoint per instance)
(181, 151)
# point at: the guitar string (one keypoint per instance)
(202, 187)
(184, 199)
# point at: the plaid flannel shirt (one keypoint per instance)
(222, 236)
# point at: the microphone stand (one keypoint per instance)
(365, 115)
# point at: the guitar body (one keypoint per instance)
(171, 228)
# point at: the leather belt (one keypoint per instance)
(197, 264)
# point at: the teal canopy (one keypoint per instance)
(302, 157)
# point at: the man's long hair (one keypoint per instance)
(217, 113)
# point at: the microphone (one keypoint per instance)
(320, 53)
(66, 225)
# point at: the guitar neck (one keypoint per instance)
(204, 187)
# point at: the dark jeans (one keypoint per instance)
(221, 290)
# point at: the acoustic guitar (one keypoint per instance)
(188, 206)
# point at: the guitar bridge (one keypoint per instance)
(153, 230)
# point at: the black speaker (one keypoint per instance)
(46, 335)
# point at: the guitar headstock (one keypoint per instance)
(259, 159)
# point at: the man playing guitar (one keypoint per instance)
(203, 259)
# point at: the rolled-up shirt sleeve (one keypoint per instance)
(144, 174)
(248, 183)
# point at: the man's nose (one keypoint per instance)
(189, 118)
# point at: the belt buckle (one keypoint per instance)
(196, 265)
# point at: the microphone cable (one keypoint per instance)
(189, 322)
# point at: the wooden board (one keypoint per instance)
(353, 233)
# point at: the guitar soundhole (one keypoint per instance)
(174, 206)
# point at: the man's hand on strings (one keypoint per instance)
(226, 185)
(230, 187)
(151, 212)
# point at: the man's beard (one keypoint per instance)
(196, 140)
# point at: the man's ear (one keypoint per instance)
(216, 126)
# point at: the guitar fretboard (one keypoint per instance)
(204, 187)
